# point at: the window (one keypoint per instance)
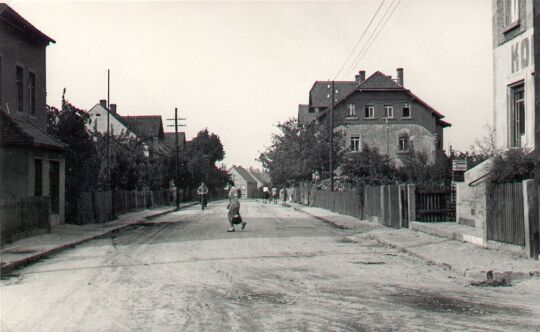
(19, 77)
(369, 112)
(517, 114)
(511, 11)
(404, 143)
(32, 88)
(406, 110)
(38, 177)
(352, 110)
(389, 112)
(355, 143)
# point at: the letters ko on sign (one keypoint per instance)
(522, 54)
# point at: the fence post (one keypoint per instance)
(401, 196)
(531, 239)
(383, 205)
(411, 193)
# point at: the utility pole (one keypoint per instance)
(332, 137)
(535, 222)
(108, 125)
(177, 159)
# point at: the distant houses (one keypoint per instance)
(32, 168)
(244, 181)
(380, 112)
(146, 128)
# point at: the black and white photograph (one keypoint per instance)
(363, 165)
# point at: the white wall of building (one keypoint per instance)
(513, 62)
(98, 117)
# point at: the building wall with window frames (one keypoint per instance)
(375, 137)
(422, 128)
(17, 50)
(513, 58)
(418, 114)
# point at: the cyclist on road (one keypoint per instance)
(202, 191)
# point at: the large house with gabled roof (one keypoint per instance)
(146, 128)
(32, 163)
(380, 112)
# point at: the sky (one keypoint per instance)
(240, 68)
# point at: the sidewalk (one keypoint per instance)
(25, 251)
(472, 261)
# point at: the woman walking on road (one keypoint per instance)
(234, 209)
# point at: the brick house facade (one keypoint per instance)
(381, 113)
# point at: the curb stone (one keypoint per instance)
(6, 269)
(477, 275)
(322, 219)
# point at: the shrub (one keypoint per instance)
(512, 165)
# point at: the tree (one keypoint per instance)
(512, 165)
(369, 167)
(298, 151)
(82, 159)
(417, 169)
(127, 161)
(200, 158)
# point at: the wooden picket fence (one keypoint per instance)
(505, 213)
(436, 204)
(97, 207)
(372, 202)
(350, 203)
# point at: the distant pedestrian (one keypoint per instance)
(266, 194)
(275, 195)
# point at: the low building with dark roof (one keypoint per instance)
(32, 163)
(149, 129)
(244, 181)
(380, 112)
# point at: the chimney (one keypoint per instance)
(112, 108)
(400, 76)
(361, 77)
(103, 103)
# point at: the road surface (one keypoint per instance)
(286, 272)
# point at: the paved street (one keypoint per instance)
(287, 271)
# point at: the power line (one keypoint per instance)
(355, 62)
(359, 40)
(375, 34)
(378, 32)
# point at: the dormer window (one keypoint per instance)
(352, 110)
